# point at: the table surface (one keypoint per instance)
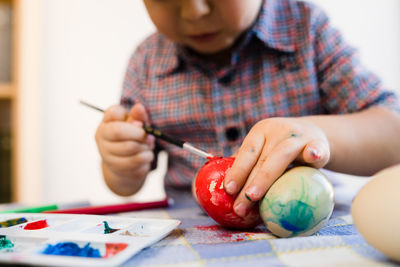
(200, 241)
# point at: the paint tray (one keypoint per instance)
(81, 240)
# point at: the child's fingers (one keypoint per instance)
(122, 131)
(150, 140)
(142, 170)
(234, 155)
(124, 148)
(129, 164)
(138, 113)
(316, 153)
(115, 113)
(245, 160)
(271, 167)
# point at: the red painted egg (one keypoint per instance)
(215, 201)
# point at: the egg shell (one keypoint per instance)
(215, 201)
(376, 212)
(299, 203)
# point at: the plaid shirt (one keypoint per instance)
(291, 62)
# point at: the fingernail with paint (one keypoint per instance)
(315, 154)
(253, 193)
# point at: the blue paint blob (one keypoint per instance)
(72, 249)
(296, 216)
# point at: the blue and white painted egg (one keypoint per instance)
(299, 203)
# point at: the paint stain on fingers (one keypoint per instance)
(315, 154)
(253, 194)
(293, 134)
(248, 198)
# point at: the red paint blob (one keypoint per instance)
(215, 201)
(114, 248)
(36, 225)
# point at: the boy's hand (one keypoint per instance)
(125, 148)
(268, 149)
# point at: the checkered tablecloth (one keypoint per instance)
(199, 241)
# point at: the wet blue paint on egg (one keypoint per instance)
(72, 249)
(298, 204)
(298, 216)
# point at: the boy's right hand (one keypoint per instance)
(125, 149)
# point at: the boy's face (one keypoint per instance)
(206, 26)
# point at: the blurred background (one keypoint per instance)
(54, 53)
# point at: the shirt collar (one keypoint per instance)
(276, 26)
(166, 58)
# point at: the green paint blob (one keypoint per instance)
(5, 243)
(108, 229)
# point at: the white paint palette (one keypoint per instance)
(81, 240)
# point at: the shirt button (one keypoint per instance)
(232, 133)
(227, 79)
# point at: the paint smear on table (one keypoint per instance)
(36, 225)
(12, 222)
(108, 229)
(72, 249)
(5, 243)
(220, 233)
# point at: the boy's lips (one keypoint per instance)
(203, 38)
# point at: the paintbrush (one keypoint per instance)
(158, 134)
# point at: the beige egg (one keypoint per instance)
(376, 212)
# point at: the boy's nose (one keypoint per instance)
(194, 9)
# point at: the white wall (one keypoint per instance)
(84, 50)
(373, 27)
(87, 45)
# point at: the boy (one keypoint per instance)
(268, 81)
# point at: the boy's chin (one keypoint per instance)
(209, 49)
(221, 55)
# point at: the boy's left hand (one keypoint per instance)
(268, 149)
